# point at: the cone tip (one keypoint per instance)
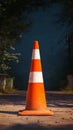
(36, 45)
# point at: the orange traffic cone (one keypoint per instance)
(35, 99)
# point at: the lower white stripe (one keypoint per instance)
(35, 77)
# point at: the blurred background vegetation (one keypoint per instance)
(14, 21)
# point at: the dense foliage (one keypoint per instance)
(13, 22)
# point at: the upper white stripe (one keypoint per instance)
(35, 77)
(35, 54)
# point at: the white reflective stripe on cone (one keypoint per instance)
(35, 54)
(35, 77)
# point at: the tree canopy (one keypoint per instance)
(13, 22)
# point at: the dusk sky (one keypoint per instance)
(52, 48)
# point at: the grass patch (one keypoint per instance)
(7, 90)
(67, 89)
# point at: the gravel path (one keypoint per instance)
(61, 104)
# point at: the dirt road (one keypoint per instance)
(60, 103)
